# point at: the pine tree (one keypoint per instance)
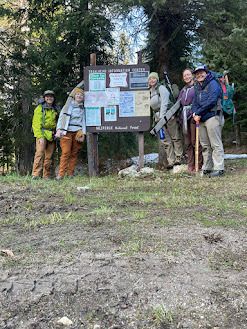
(224, 35)
(45, 45)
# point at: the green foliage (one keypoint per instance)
(171, 27)
(6, 142)
(45, 45)
(224, 35)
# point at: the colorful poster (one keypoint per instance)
(127, 104)
(93, 116)
(95, 99)
(110, 113)
(118, 79)
(142, 103)
(97, 81)
(113, 96)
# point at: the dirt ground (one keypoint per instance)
(125, 253)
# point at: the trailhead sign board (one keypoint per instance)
(117, 98)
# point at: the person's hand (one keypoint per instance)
(197, 118)
(80, 136)
(58, 133)
(41, 141)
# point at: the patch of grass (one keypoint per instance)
(70, 198)
(222, 222)
(162, 316)
(55, 218)
(131, 248)
(140, 214)
(10, 263)
(227, 259)
(102, 211)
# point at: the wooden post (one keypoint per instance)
(92, 142)
(141, 133)
(197, 148)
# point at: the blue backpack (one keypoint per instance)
(227, 94)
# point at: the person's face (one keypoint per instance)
(187, 76)
(201, 75)
(79, 97)
(152, 81)
(49, 99)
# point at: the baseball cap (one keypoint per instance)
(200, 68)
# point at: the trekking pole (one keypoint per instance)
(169, 83)
(197, 148)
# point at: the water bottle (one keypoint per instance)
(162, 134)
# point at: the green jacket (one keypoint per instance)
(44, 121)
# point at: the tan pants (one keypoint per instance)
(70, 149)
(211, 142)
(173, 142)
(43, 158)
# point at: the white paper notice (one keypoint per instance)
(97, 81)
(127, 104)
(112, 96)
(95, 99)
(110, 113)
(118, 79)
(142, 103)
(93, 116)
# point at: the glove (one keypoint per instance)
(79, 137)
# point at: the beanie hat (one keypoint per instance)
(49, 92)
(154, 75)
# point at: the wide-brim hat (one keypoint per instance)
(200, 68)
(49, 92)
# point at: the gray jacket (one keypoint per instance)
(159, 101)
(73, 119)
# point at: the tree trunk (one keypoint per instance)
(24, 138)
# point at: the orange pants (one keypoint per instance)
(70, 150)
(43, 157)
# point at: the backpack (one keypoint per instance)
(173, 90)
(227, 102)
(227, 95)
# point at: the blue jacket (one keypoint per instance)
(207, 95)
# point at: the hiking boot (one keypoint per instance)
(169, 166)
(217, 173)
(178, 161)
(35, 177)
(206, 173)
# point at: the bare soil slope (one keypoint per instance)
(160, 252)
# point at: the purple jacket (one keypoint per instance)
(187, 95)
